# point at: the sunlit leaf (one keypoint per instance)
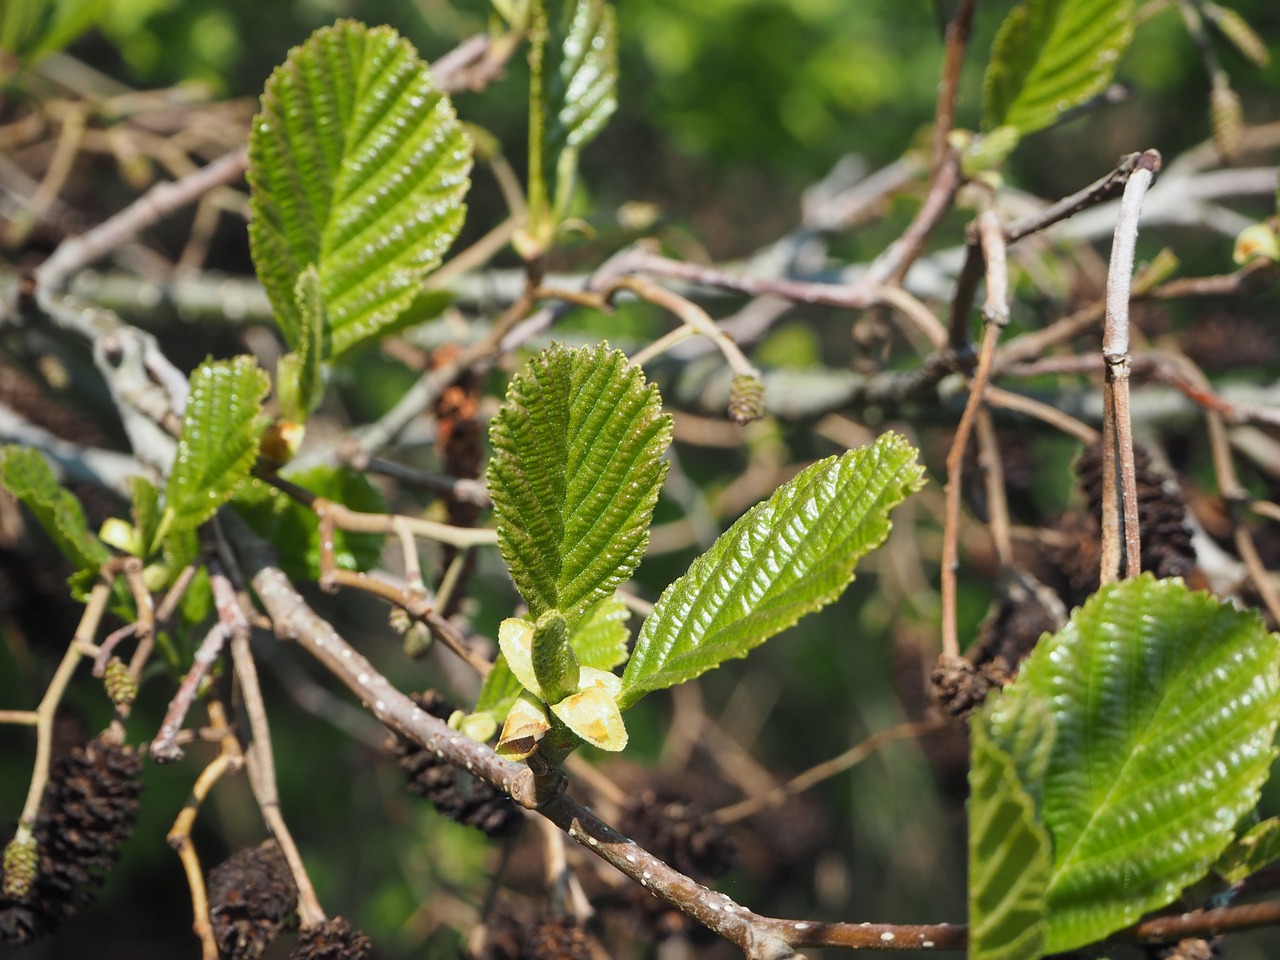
(1165, 705)
(1050, 56)
(601, 636)
(576, 468)
(786, 557)
(218, 443)
(358, 166)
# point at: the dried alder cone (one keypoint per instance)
(334, 939)
(89, 808)
(251, 897)
(453, 792)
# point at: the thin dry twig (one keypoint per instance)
(1120, 508)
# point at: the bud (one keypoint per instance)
(746, 398)
(21, 861)
(119, 683)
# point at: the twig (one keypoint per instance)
(826, 770)
(458, 489)
(179, 837)
(85, 631)
(995, 318)
(261, 763)
(957, 36)
(164, 748)
(1104, 188)
(993, 471)
(153, 206)
(692, 316)
(892, 265)
(1120, 509)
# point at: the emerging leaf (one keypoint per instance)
(1259, 847)
(526, 724)
(576, 469)
(357, 166)
(26, 475)
(601, 637)
(1050, 56)
(786, 557)
(300, 374)
(219, 440)
(1165, 704)
(1009, 857)
(592, 713)
(146, 513)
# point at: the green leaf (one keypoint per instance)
(300, 374)
(1009, 856)
(584, 91)
(357, 165)
(601, 636)
(785, 558)
(576, 469)
(218, 443)
(1259, 847)
(1165, 705)
(1050, 56)
(500, 690)
(25, 474)
(145, 498)
(295, 530)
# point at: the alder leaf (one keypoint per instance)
(300, 373)
(584, 90)
(1258, 847)
(26, 474)
(1050, 56)
(357, 166)
(1165, 705)
(1009, 856)
(786, 557)
(218, 443)
(575, 473)
(601, 636)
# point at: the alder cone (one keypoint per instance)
(455, 793)
(557, 938)
(334, 939)
(89, 808)
(251, 897)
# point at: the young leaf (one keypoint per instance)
(576, 468)
(1009, 856)
(294, 528)
(786, 557)
(499, 691)
(600, 639)
(1151, 688)
(25, 474)
(300, 374)
(145, 497)
(218, 443)
(1259, 847)
(1050, 56)
(357, 165)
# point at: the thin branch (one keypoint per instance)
(957, 36)
(827, 769)
(1120, 510)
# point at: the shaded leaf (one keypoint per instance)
(300, 374)
(499, 691)
(295, 530)
(357, 165)
(218, 443)
(25, 474)
(575, 473)
(1165, 705)
(786, 557)
(1257, 848)
(1009, 856)
(147, 514)
(1050, 56)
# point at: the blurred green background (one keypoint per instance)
(728, 110)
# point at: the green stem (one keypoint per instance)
(538, 209)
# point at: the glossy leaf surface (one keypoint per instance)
(358, 166)
(786, 557)
(218, 443)
(1050, 56)
(1164, 704)
(576, 469)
